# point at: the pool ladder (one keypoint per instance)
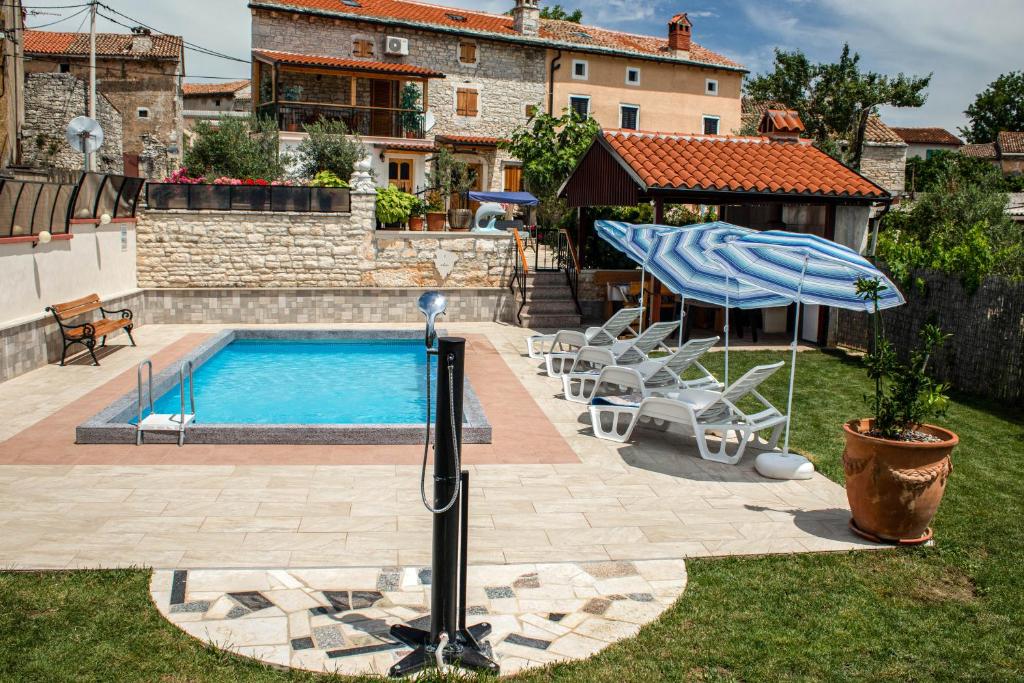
(163, 422)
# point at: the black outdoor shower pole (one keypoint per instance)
(449, 640)
(451, 352)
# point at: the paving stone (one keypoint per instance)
(236, 612)
(536, 643)
(302, 643)
(328, 636)
(339, 601)
(364, 599)
(390, 579)
(192, 607)
(178, 582)
(499, 592)
(556, 616)
(252, 600)
(641, 597)
(476, 610)
(424, 576)
(608, 570)
(527, 581)
(597, 606)
(366, 649)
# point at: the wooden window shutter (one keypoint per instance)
(467, 53)
(362, 48)
(466, 102)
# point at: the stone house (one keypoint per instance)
(12, 100)
(410, 77)
(922, 143)
(883, 158)
(138, 73)
(210, 101)
(1007, 152)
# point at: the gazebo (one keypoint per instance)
(771, 180)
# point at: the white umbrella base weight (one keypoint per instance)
(783, 466)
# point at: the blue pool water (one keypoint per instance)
(358, 381)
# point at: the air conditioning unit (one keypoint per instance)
(396, 46)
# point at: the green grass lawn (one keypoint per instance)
(953, 611)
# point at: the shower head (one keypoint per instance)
(432, 304)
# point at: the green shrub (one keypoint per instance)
(328, 147)
(235, 148)
(393, 205)
(327, 179)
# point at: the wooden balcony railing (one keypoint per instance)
(371, 121)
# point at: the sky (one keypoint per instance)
(965, 45)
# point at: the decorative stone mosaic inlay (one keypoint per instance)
(338, 620)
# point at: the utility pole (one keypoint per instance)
(90, 158)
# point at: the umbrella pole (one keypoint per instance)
(682, 316)
(725, 330)
(792, 360)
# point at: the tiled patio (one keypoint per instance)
(545, 492)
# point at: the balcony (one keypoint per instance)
(366, 121)
(374, 99)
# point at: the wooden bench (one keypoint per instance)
(86, 334)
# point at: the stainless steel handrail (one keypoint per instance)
(138, 425)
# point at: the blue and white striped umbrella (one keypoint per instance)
(679, 260)
(809, 270)
(802, 267)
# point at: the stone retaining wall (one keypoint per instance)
(229, 249)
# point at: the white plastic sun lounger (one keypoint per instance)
(622, 352)
(648, 378)
(541, 344)
(700, 412)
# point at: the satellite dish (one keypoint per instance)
(84, 134)
(428, 121)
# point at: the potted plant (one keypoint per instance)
(416, 212)
(411, 118)
(435, 212)
(462, 181)
(896, 464)
(393, 206)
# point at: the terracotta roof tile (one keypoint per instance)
(877, 131)
(925, 136)
(737, 164)
(784, 120)
(472, 21)
(479, 140)
(124, 45)
(225, 88)
(407, 146)
(348, 64)
(1010, 142)
(984, 150)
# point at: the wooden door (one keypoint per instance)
(400, 174)
(382, 99)
(131, 165)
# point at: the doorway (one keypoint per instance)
(382, 101)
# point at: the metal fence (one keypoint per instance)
(205, 197)
(29, 207)
(985, 355)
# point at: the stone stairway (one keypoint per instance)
(549, 302)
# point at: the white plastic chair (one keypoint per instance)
(700, 412)
(608, 333)
(648, 378)
(622, 352)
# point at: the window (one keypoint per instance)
(930, 153)
(400, 174)
(580, 69)
(65, 68)
(629, 116)
(467, 102)
(216, 103)
(632, 75)
(467, 52)
(142, 113)
(362, 48)
(710, 125)
(710, 86)
(580, 104)
(513, 179)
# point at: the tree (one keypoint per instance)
(235, 148)
(328, 147)
(558, 12)
(835, 100)
(999, 107)
(928, 175)
(550, 147)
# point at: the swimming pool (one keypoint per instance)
(297, 386)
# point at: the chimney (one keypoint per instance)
(526, 17)
(781, 125)
(679, 35)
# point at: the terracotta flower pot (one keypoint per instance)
(895, 487)
(435, 221)
(416, 223)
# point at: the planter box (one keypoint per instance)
(167, 196)
(248, 197)
(209, 197)
(283, 198)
